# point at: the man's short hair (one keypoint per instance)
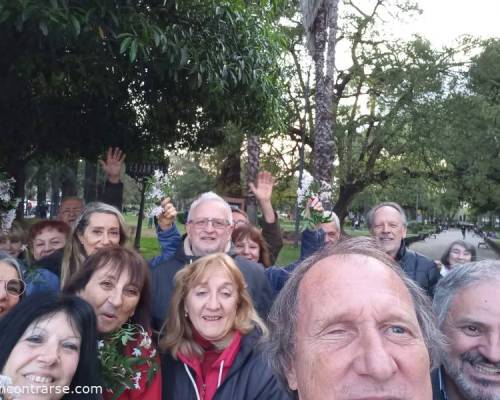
(459, 278)
(283, 316)
(333, 218)
(210, 196)
(370, 216)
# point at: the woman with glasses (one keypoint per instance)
(11, 284)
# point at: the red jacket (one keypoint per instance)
(144, 390)
(210, 376)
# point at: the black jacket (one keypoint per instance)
(249, 378)
(419, 268)
(437, 388)
(163, 283)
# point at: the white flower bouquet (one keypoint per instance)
(157, 188)
(8, 203)
(307, 190)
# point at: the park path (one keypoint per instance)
(434, 248)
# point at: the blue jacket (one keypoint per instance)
(310, 243)
(169, 239)
(39, 280)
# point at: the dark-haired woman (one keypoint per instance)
(49, 349)
(115, 281)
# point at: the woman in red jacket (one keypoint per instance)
(115, 281)
(212, 335)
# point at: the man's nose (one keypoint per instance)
(490, 347)
(374, 360)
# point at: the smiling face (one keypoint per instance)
(206, 238)
(472, 326)
(248, 248)
(7, 300)
(357, 334)
(211, 304)
(113, 297)
(45, 356)
(388, 229)
(47, 241)
(70, 210)
(102, 231)
(459, 255)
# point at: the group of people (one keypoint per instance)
(212, 317)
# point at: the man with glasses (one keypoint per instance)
(11, 284)
(208, 231)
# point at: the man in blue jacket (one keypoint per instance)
(387, 224)
(209, 227)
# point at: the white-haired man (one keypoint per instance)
(387, 224)
(208, 230)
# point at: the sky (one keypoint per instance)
(444, 20)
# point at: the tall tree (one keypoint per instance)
(320, 23)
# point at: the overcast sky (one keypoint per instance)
(444, 20)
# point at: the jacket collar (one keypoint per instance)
(402, 250)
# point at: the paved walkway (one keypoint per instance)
(434, 248)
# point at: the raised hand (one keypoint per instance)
(113, 164)
(263, 191)
(263, 187)
(167, 217)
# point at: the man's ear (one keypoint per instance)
(404, 231)
(291, 378)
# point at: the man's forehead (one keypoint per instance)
(329, 227)
(340, 272)
(480, 298)
(388, 212)
(71, 203)
(209, 209)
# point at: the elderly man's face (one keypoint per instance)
(388, 229)
(209, 230)
(357, 335)
(332, 233)
(472, 326)
(70, 210)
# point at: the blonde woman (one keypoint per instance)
(210, 347)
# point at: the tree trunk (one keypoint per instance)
(346, 196)
(69, 179)
(325, 31)
(55, 197)
(229, 181)
(253, 150)
(15, 169)
(90, 181)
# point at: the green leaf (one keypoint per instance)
(43, 27)
(76, 25)
(133, 50)
(125, 44)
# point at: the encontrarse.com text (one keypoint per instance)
(35, 389)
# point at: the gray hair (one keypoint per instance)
(461, 277)
(283, 316)
(74, 252)
(333, 217)
(370, 216)
(12, 261)
(210, 196)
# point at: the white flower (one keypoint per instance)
(136, 352)
(145, 342)
(100, 344)
(153, 353)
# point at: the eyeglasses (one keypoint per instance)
(217, 223)
(14, 287)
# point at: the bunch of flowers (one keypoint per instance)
(8, 203)
(156, 188)
(308, 189)
(120, 368)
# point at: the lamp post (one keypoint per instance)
(141, 172)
